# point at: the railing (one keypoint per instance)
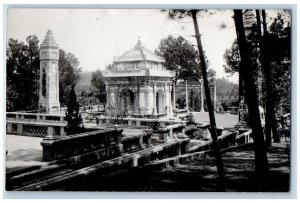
(171, 131)
(137, 142)
(180, 112)
(198, 131)
(56, 148)
(135, 122)
(228, 139)
(36, 117)
(34, 124)
(244, 138)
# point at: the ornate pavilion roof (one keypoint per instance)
(138, 53)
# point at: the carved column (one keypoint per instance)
(215, 96)
(174, 97)
(202, 100)
(154, 100)
(186, 96)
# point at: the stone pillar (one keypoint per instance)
(166, 101)
(20, 129)
(202, 99)
(174, 96)
(154, 100)
(170, 100)
(146, 99)
(49, 76)
(215, 96)
(186, 96)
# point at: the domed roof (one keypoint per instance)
(49, 40)
(138, 53)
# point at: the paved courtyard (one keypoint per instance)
(224, 120)
(23, 151)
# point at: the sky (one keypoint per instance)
(95, 36)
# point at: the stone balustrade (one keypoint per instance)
(198, 131)
(135, 122)
(35, 124)
(244, 138)
(171, 131)
(180, 113)
(137, 142)
(57, 148)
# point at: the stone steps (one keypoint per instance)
(59, 176)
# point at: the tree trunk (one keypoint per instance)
(261, 161)
(213, 129)
(273, 116)
(269, 81)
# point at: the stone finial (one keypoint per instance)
(139, 43)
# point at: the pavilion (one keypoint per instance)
(138, 84)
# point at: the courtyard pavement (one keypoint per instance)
(23, 151)
(224, 120)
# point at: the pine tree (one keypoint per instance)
(73, 116)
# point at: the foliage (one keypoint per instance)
(69, 74)
(180, 57)
(22, 70)
(73, 116)
(232, 59)
(278, 48)
(97, 82)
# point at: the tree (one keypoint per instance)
(232, 59)
(180, 57)
(98, 83)
(247, 72)
(69, 74)
(182, 13)
(73, 116)
(264, 59)
(22, 68)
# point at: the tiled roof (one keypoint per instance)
(138, 53)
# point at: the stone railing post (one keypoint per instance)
(163, 133)
(171, 133)
(149, 133)
(9, 128)
(49, 151)
(20, 129)
(119, 138)
(141, 141)
(50, 130)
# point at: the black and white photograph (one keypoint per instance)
(148, 99)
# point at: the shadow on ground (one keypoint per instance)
(199, 175)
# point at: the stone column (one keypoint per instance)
(186, 96)
(166, 101)
(174, 97)
(215, 96)
(170, 100)
(202, 99)
(146, 99)
(154, 100)
(108, 95)
(142, 99)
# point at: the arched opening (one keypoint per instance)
(127, 102)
